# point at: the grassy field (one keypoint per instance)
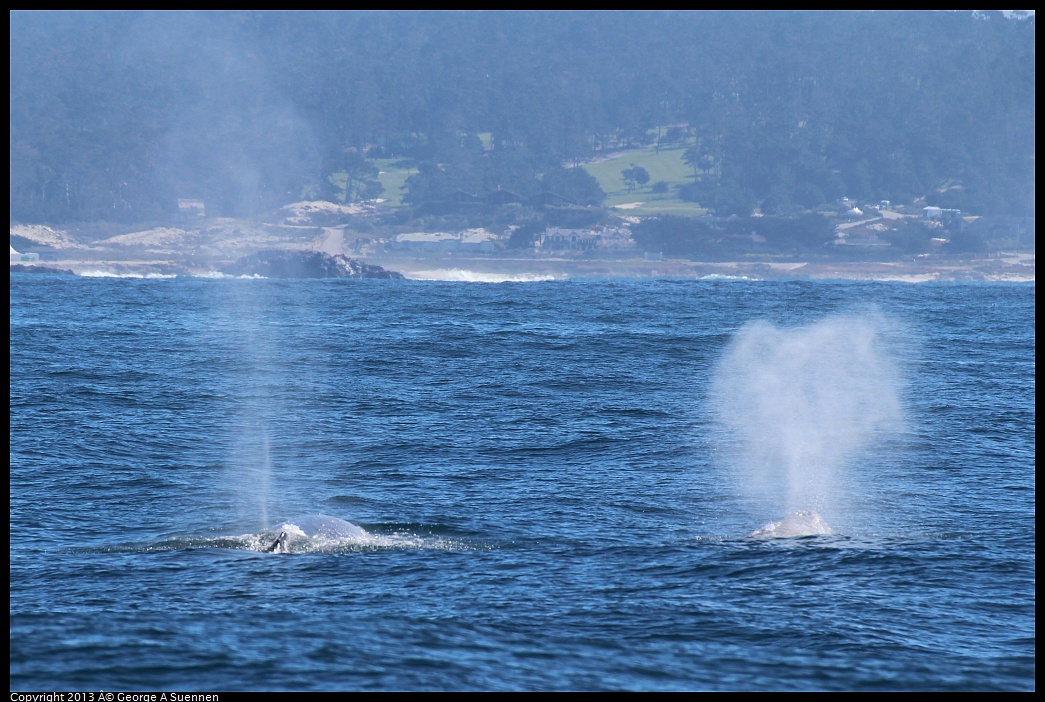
(667, 166)
(393, 174)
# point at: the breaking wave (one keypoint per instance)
(459, 275)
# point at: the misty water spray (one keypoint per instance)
(799, 407)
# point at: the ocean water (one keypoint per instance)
(538, 485)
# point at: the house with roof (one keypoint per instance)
(559, 240)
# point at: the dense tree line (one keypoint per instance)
(115, 115)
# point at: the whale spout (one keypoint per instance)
(804, 522)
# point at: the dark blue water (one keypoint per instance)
(555, 481)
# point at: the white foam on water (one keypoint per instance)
(320, 533)
(466, 276)
(98, 273)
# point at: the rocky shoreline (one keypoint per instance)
(305, 264)
(236, 248)
(1016, 268)
(264, 264)
(302, 264)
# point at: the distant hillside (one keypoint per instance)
(118, 115)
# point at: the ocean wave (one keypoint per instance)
(466, 276)
(721, 276)
(111, 274)
(218, 275)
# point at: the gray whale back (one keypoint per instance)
(323, 526)
(804, 522)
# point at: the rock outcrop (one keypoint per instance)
(305, 264)
(36, 268)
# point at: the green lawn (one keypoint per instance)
(393, 175)
(666, 166)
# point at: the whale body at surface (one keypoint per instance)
(323, 526)
(804, 522)
(305, 533)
